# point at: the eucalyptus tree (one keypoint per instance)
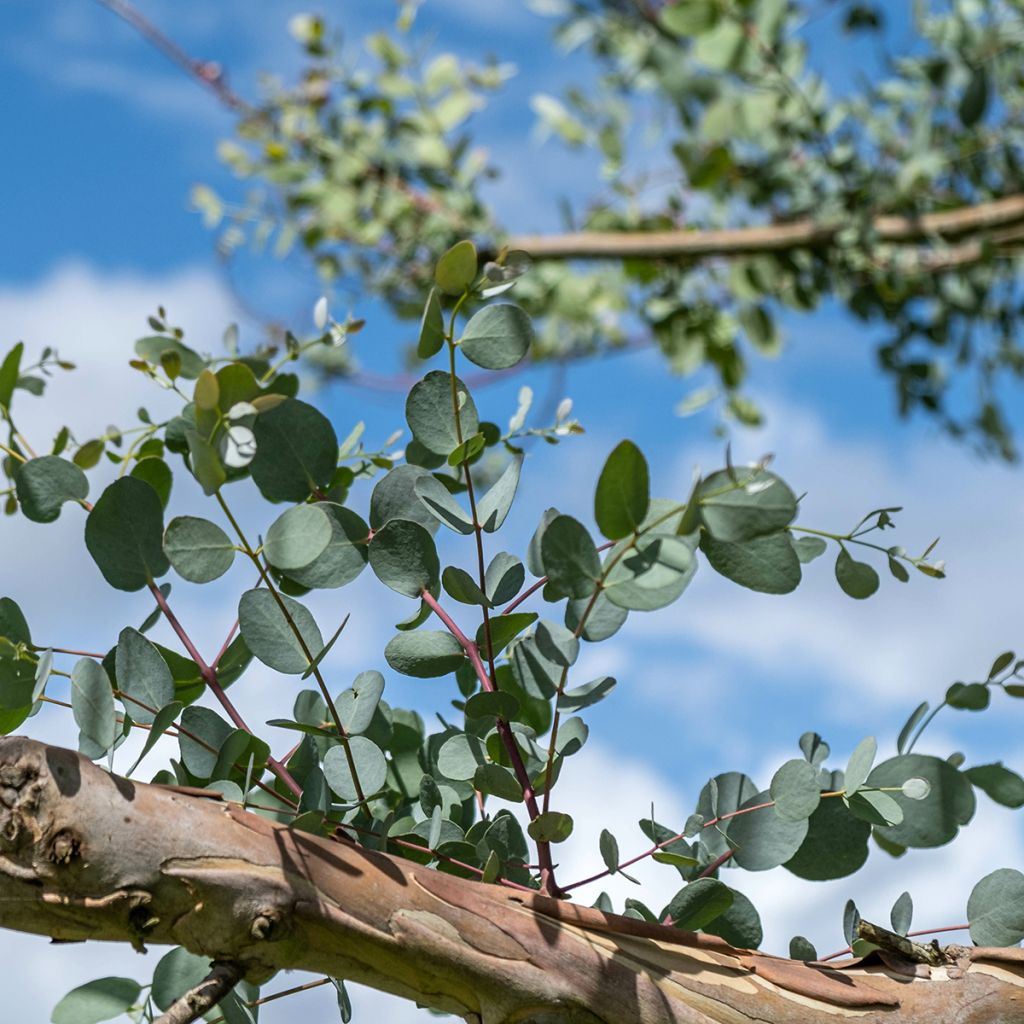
(352, 838)
(417, 858)
(781, 176)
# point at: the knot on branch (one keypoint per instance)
(20, 795)
(65, 847)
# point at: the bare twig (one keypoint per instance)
(207, 72)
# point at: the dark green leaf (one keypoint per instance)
(739, 924)
(609, 850)
(403, 557)
(497, 337)
(569, 557)
(975, 98)
(767, 564)
(461, 587)
(696, 905)
(9, 370)
(456, 269)
(503, 629)
(936, 819)
(968, 696)
(44, 484)
(157, 474)
(432, 331)
(176, 973)
(802, 949)
(124, 535)
(498, 781)
(1002, 785)
(504, 578)
(296, 451)
(623, 495)
(550, 827)
(836, 844)
(492, 704)
(857, 579)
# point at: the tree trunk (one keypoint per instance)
(89, 855)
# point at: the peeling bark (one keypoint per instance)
(89, 855)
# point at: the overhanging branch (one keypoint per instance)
(968, 222)
(88, 855)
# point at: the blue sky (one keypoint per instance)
(105, 140)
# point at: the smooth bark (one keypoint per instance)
(89, 855)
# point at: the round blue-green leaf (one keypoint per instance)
(92, 704)
(497, 337)
(795, 790)
(394, 497)
(438, 501)
(199, 723)
(44, 484)
(857, 579)
(604, 619)
(739, 924)
(461, 587)
(584, 696)
(297, 537)
(493, 507)
(763, 839)
(424, 654)
(460, 756)
(858, 768)
(557, 643)
(836, 844)
(13, 625)
(503, 629)
(651, 575)
(569, 557)
(751, 505)
(937, 818)
(456, 269)
(902, 914)
(124, 535)
(143, 674)
(296, 451)
(370, 764)
(403, 557)
(271, 638)
(199, 550)
(99, 1000)
(492, 704)
(430, 413)
(345, 555)
(808, 548)
(696, 905)
(995, 909)
(623, 492)
(767, 564)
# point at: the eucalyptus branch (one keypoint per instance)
(297, 633)
(223, 977)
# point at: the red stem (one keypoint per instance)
(209, 675)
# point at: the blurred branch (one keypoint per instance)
(207, 72)
(948, 225)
